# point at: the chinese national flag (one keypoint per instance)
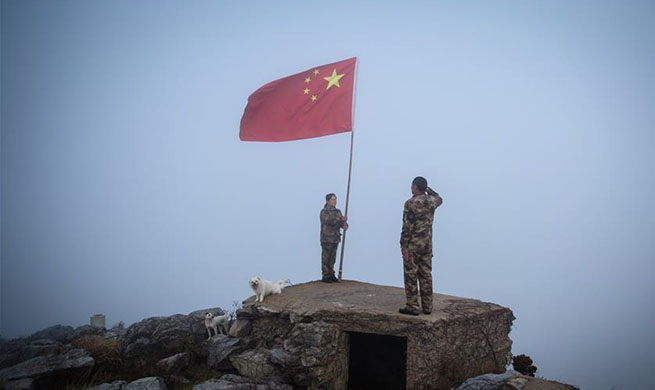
(313, 103)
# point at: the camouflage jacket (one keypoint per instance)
(418, 215)
(331, 222)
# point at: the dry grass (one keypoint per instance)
(104, 351)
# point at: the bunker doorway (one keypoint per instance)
(377, 362)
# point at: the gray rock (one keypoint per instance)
(10, 353)
(179, 379)
(20, 384)
(515, 383)
(115, 385)
(150, 383)
(20, 350)
(281, 357)
(240, 328)
(113, 335)
(115, 332)
(87, 330)
(220, 347)
(221, 384)
(76, 359)
(236, 382)
(487, 381)
(158, 337)
(60, 333)
(175, 363)
(254, 364)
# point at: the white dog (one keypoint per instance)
(219, 324)
(263, 288)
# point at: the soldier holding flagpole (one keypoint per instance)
(332, 221)
(309, 104)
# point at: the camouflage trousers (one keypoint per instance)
(328, 257)
(418, 272)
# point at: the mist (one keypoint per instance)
(126, 191)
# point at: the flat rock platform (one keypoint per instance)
(349, 335)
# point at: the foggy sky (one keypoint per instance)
(126, 191)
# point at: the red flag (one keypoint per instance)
(309, 104)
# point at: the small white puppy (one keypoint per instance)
(263, 288)
(219, 324)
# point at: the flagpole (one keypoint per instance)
(350, 169)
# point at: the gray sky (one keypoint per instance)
(126, 191)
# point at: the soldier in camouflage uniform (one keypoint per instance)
(416, 245)
(331, 223)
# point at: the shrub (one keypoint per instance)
(523, 364)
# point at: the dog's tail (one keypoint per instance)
(284, 283)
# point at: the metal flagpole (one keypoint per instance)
(350, 169)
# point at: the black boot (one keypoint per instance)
(334, 278)
(327, 279)
(408, 311)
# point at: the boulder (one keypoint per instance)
(158, 337)
(87, 330)
(115, 385)
(73, 360)
(511, 380)
(219, 348)
(115, 332)
(17, 352)
(113, 335)
(283, 358)
(174, 364)
(150, 383)
(236, 382)
(532, 383)
(240, 328)
(487, 381)
(254, 364)
(20, 384)
(10, 351)
(60, 333)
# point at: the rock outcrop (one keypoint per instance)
(150, 383)
(313, 336)
(71, 361)
(511, 380)
(220, 348)
(174, 364)
(115, 385)
(156, 338)
(235, 382)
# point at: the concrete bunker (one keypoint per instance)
(333, 336)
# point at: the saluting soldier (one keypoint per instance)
(416, 246)
(331, 222)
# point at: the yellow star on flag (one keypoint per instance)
(314, 98)
(306, 91)
(333, 79)
(316, 72)
(307, 80)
